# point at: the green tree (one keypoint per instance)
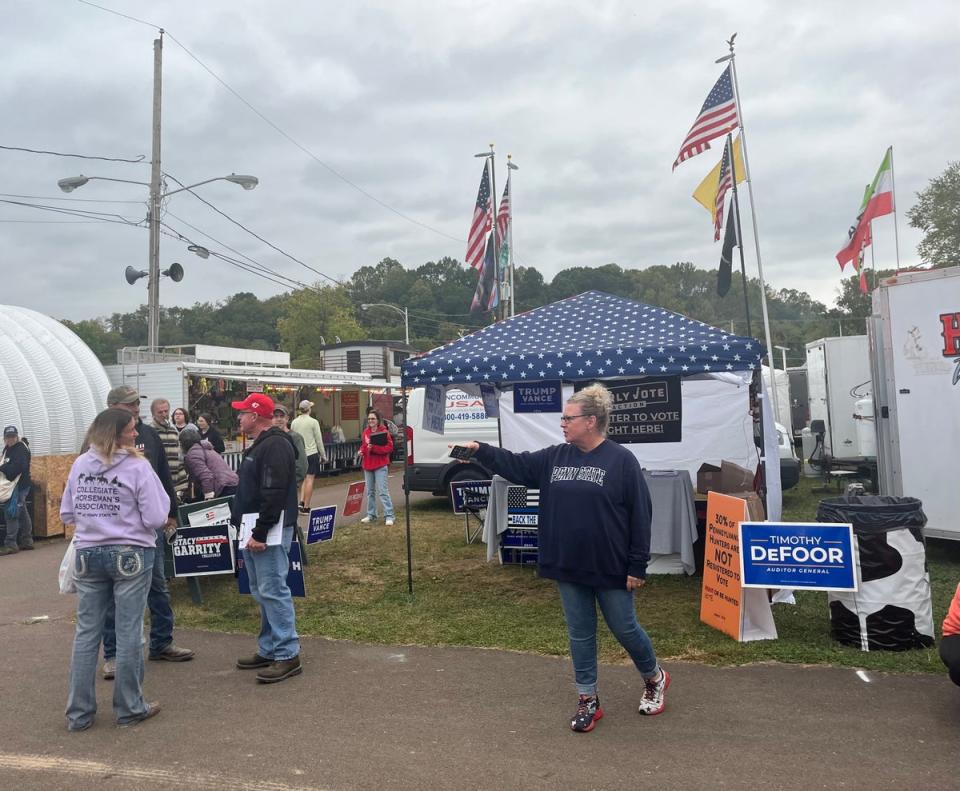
(313, 316)
(96, 333)
(937, 214)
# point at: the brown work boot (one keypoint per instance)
(280, 670)
(253, 662)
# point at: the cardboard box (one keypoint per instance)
(755, 509)
(708, 478)
(734, 478)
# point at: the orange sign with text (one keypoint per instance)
(721, 598)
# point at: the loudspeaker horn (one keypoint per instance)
(175, 272)
(133, 275)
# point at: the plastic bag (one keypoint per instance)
(68, 570)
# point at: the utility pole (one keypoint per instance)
(153, 215)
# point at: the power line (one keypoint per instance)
(251, 261)
(61, 198)
(136, 161)
(125, 16)
(88, 214)
(254, 234)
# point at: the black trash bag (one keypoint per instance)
(874, 513)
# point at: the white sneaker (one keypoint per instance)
(109, 669)
(366, 520)
(654, 694)
(389, 522)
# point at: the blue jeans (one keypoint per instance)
(376, 481)
(616, 604)
(267, 572)
(161, 614)
(20, 528)
(118, 575)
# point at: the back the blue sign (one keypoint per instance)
(814, 556)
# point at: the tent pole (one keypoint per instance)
(406, 492)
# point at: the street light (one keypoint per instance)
(153, 219)
(401, 311)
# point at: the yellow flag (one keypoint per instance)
(706, 193)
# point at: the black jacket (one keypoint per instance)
(268, 483)
(151, 446)
(213, 437)
(17, 463)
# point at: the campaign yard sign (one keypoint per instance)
(812, 556)
(538, 397)
(469, 496)
(295, 579)
(198, 551)
(354, 499)
(320, 527)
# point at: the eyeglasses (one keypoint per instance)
(568, 418)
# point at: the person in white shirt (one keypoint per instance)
(308, 427)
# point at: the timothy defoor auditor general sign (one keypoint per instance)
(815, 556)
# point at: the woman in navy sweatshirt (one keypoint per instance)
(594, 540)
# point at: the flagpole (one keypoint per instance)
(510, 168)
(753, 213)
(896, 233)
(496, 252)
(736, 211)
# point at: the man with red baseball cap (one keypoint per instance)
(268, 488)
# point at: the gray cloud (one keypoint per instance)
(397, 97)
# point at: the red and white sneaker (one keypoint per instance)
(654, 696)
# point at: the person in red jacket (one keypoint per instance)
(950, 643)
(376, 445)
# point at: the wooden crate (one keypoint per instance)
(49, 475)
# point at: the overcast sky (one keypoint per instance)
(592, 99)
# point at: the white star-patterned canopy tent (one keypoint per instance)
(590, 336)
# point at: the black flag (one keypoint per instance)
(486, 297)
(730, 240)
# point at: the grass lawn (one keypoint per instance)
(357, 590)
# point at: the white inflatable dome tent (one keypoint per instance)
(51, 384)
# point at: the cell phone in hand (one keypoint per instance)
(461, 452)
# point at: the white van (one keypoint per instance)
(429, 466)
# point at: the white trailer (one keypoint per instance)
(838, 375)
(915, 354)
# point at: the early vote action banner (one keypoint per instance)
(742, 613)
(644, 410)
(354, 499)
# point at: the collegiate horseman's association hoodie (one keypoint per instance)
(114, 502)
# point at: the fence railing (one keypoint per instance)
(341, 457)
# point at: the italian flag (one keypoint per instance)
(877, 201)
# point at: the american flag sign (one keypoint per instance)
(717, 117)
(726, 183)
(523, 507)
(482, 221)
(594, 335)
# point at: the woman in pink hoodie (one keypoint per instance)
(115, 503)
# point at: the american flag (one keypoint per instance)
(725, 183)
(590, 336)
(503, 214)
(482, 221)
(717, 117)
(523, 507)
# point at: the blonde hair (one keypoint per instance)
(597, 401)
(104, 433)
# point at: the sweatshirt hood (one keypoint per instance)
(94, 462)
